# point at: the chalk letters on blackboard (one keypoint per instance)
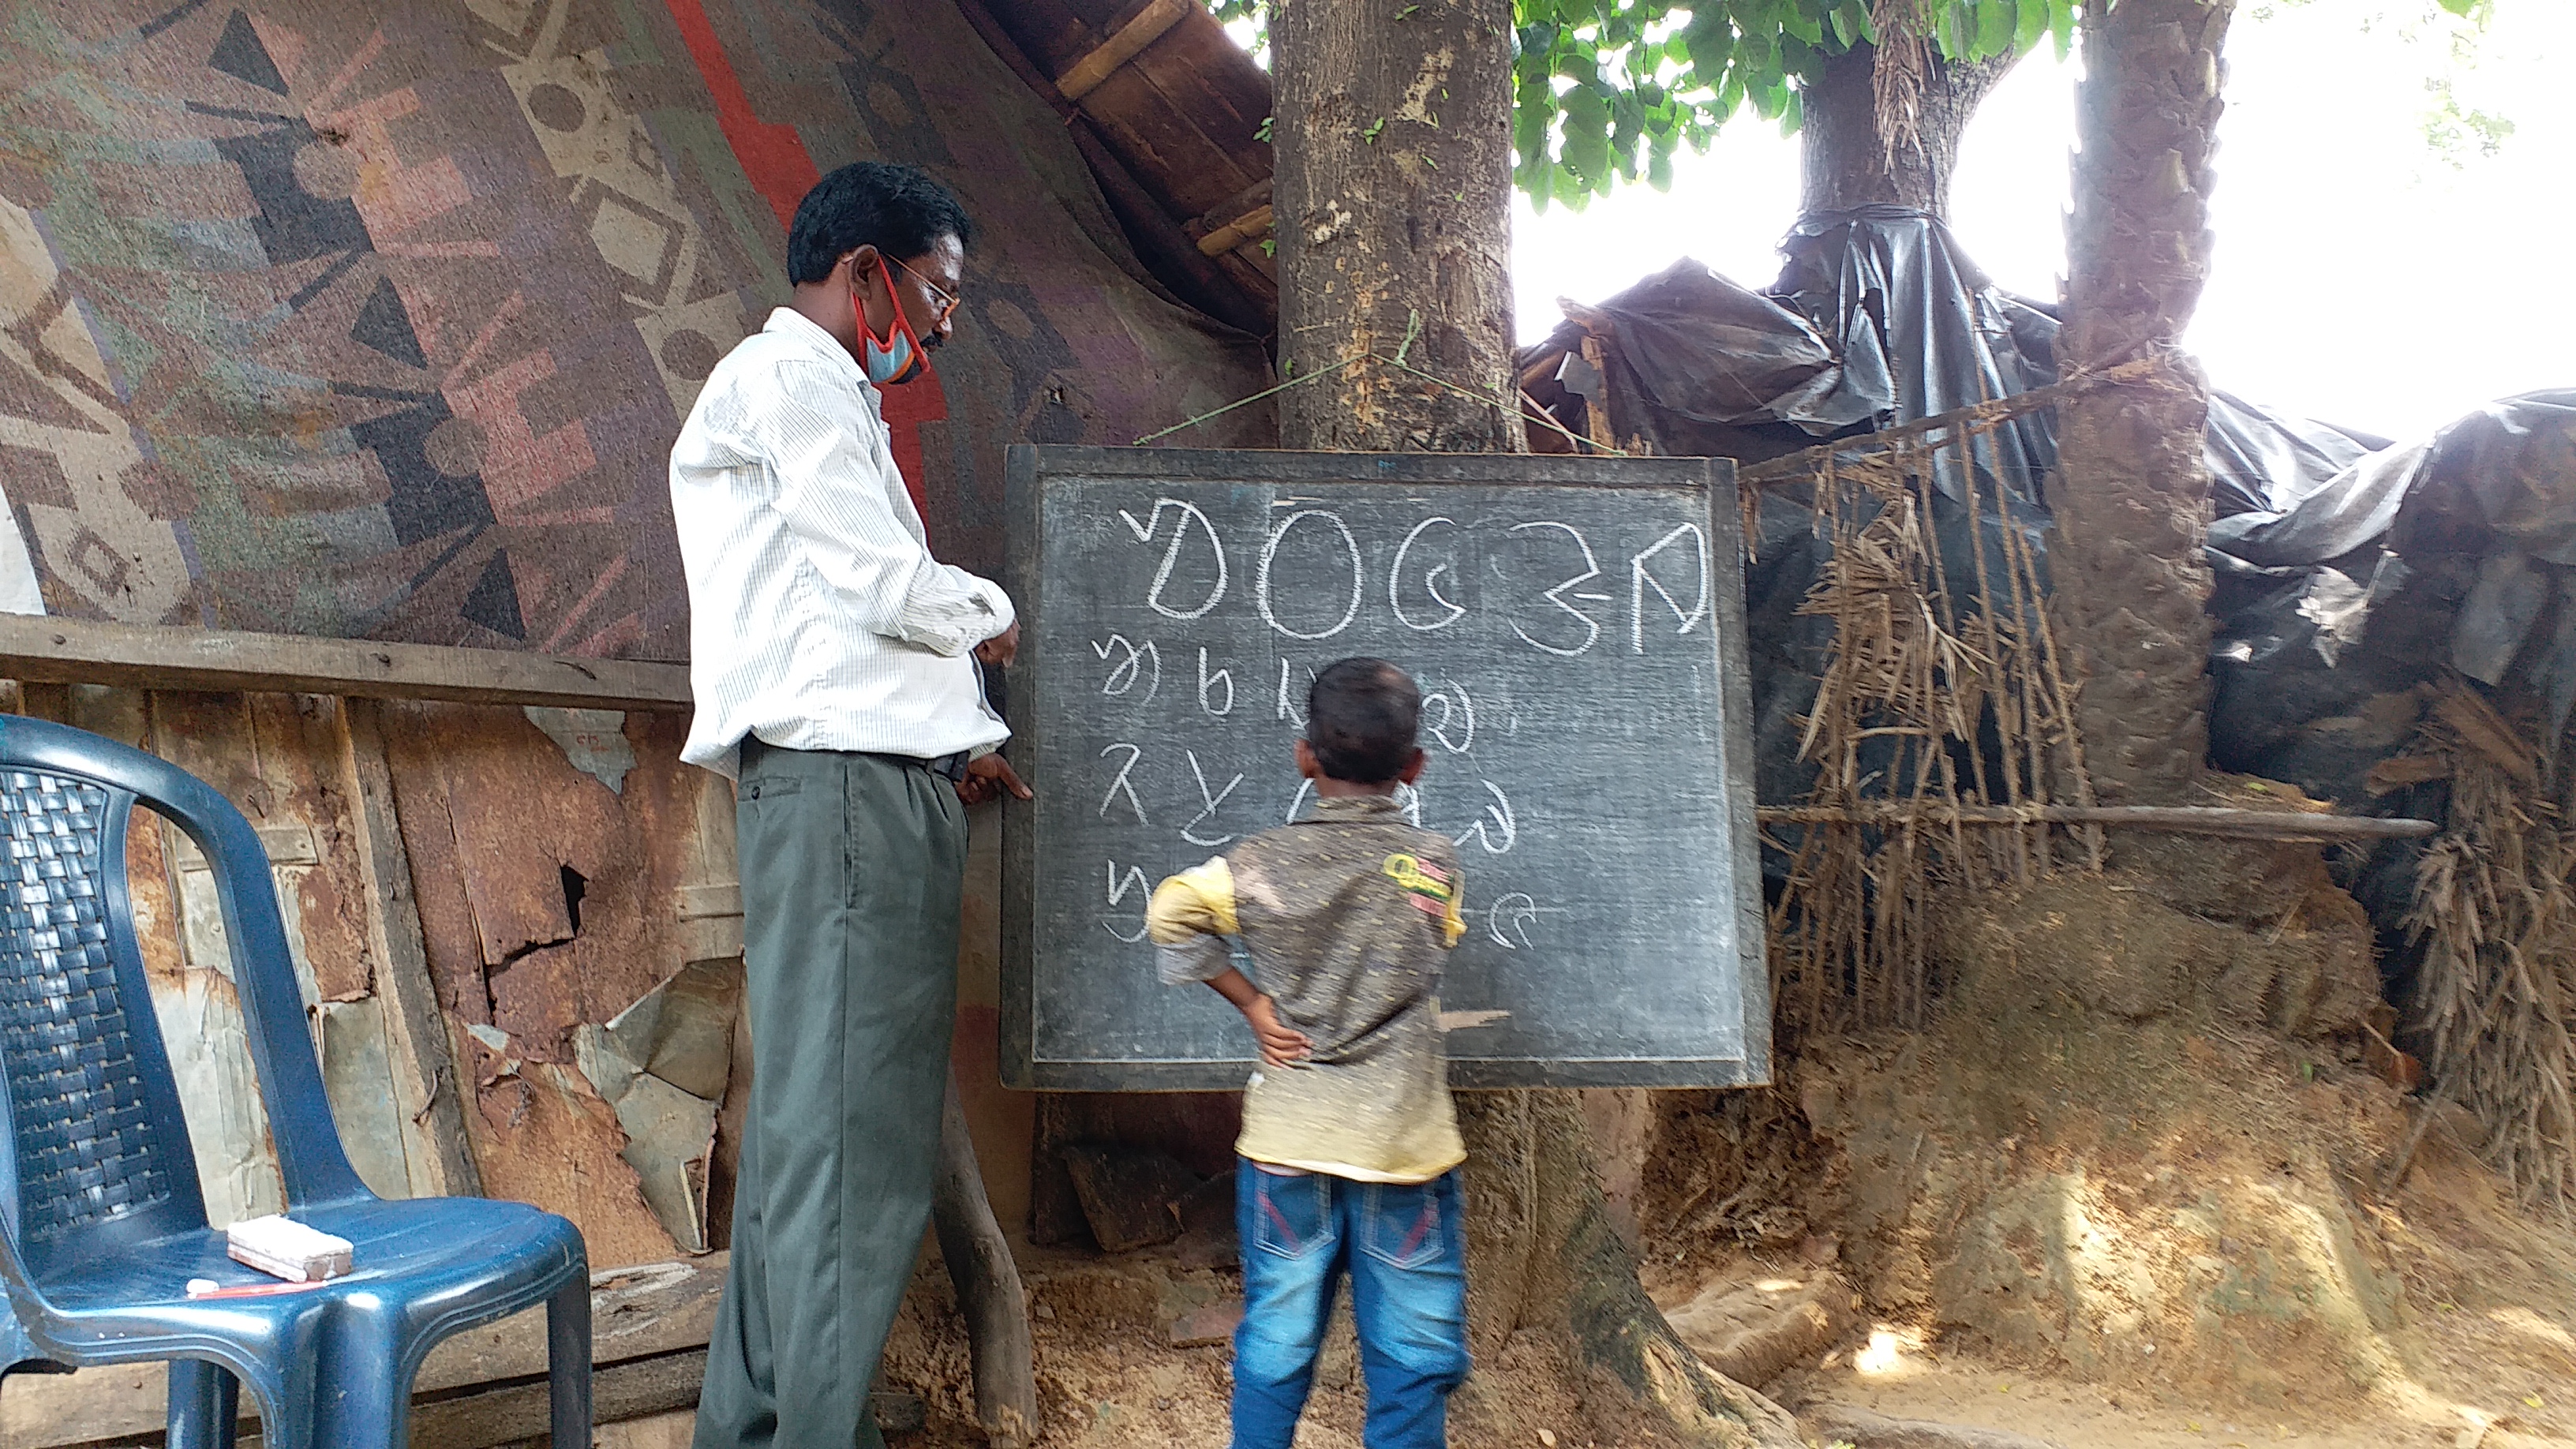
(1185, 515)
(1207, 681)
(1430, 582)
(1557, 595)
(1269, 552)
(1571, 622)
(1641, 578)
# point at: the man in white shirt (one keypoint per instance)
(835, 665)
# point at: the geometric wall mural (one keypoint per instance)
(378, 320)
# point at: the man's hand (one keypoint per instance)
(987, 778)
(1280, 1046)
(1001, 649)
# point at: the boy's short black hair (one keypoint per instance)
(1362, 716)
(899, 210)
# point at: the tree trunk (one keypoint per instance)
(1393, 188)
(1392, 182)
(2132, 498)
(1845, 162)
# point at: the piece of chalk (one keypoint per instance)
(202, 1289)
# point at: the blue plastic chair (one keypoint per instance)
(101, 1220)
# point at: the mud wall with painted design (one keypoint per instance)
(377, 320)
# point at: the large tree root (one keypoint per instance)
(1542, 1254)
(987, 1281)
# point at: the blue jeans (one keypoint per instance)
(1405, 1249)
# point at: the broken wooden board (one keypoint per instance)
(426, 1096)
(543, 1135)
(547, 899)
(1199, 1128)
(1130, 1196)
(552, 898)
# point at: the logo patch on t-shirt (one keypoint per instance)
(1426, 883)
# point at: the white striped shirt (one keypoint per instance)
(817, 618)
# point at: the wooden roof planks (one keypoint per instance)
(1163, 101)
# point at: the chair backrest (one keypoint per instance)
(96, 1150)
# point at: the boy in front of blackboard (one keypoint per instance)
(1348, 1162)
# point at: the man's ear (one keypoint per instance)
(1412, 770)
(1306, 765)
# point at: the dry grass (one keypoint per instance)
(2497, 916)
(1936, 693)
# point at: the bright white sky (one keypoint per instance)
(2362, 276)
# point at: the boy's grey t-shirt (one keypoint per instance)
(1346, 916)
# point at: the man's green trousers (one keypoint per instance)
(852, 866)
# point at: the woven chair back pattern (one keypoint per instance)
(89, 1150)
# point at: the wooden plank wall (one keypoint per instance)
(535, 898)
(518, 932)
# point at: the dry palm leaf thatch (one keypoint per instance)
(1935, 693)
(1896, 75)
(2497, 915)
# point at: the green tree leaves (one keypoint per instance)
(1607, 91)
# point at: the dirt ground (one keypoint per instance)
(2129, 1190)
(2484, 1343)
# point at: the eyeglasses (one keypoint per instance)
(940, 298)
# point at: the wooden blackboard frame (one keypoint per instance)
(1029, 466)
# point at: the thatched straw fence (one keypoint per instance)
(1944, 741)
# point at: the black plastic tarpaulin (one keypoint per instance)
(2351, 569)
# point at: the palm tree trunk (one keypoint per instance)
(2132, 495)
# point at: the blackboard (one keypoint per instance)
(1577, 628)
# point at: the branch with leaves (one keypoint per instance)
(1609, 90)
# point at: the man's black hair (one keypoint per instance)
(1361, 719)
(899, 210)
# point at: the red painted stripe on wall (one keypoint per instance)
(774, 157)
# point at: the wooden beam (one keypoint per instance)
(1249, 227)
(518, 1413)
(1084, 75)
(2179, 819)
(653, 1313)
(427, 1091)
(80, 651)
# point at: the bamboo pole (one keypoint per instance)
(2174, 819)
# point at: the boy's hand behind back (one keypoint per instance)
(1280, 1045)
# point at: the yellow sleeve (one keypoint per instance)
(1198, 901)
(1453, 922)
